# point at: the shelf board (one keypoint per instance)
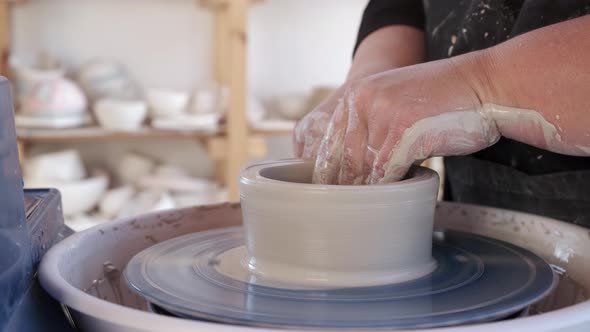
(85, 134)
(101, 134)
(271, 132)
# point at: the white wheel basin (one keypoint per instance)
(83, 271)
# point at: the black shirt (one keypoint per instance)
(454, 27)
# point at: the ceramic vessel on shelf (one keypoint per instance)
(198, 199)
(114, 201)
(84, 221)
(291, 107)
(165, 103)
(133, 167)
(107, 79)
(321, 236)
(124, 115)
(147, 201)
(27, 76)
(77, 196)
(170, 170)
(55, 97)
(59, 166)
(52, 122)
(177, 184)
(205, 122)
(318, 95)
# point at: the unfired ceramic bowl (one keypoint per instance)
(115, 200)
(177, 184)
(147, 201)
(60, 166)
(207, 122)
(292, 107)
(306, 234)
(77, 196)
(124, 115)
(166, 103)
(107, 79)
(133, 167)
(52, 122)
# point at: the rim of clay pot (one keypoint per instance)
(275, 173)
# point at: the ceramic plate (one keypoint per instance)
(201, 276)
(52, 122)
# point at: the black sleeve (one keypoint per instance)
(382, 13)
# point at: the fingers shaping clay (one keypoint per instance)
(318, 235)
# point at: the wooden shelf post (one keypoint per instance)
(237, 124)
(4, 36)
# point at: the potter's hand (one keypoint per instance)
(309, 131)
(385, 122)
(532, 89)
(385, 49)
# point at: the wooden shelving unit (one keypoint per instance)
(230, 148)
(30, 136)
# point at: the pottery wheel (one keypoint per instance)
(202, 276)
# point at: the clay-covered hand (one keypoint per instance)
(384, 123)
(387, 48)
(311, 128)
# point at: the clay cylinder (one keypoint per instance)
(299, 233)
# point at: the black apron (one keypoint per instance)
(562, 195)
(510, 174)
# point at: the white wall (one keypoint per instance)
(294, 44)
(163, 43)
(297, 44)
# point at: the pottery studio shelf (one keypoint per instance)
(230, 149)
(99, 134)
(216, 143)
(28, 136)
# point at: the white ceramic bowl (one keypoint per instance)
(197, 199)
(206, 122)
(107, 79)
(115, 200)
(133, 167)
(77, 196)
(316, 235)
(147, 201)
(170, 170)
(84, 221)
(177, 184)
(292, 107)
(52, 122)
(166, 103)
(125, 115)
(59, 166)
(318, 95)
(70, 269)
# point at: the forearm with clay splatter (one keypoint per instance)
(534, 88)
(542, 81)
